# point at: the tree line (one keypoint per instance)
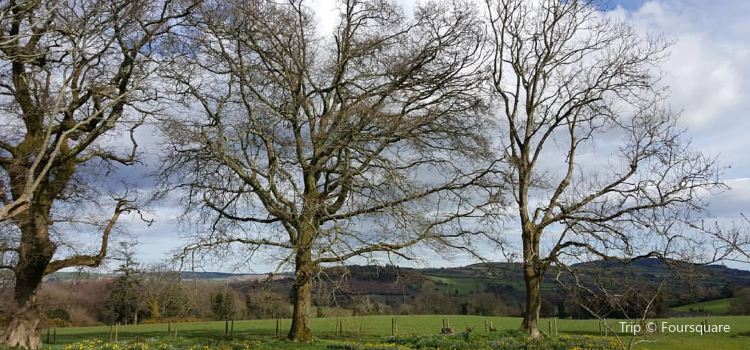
(394, 131)
(136, 294)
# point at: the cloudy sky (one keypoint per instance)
(708, 72)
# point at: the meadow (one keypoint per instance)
(374, 332)
(714, 307)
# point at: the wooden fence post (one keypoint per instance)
(555, 321)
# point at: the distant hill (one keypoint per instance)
(185, 275)
(224, 276)
(682, 283)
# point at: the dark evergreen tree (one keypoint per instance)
(124, 297)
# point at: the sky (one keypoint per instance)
(708, 72)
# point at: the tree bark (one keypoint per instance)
(533, 280)
(533, 275)
(23, 329)
(302, 297)
(36, 253)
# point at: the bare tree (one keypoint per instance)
(597, 163)
(73, 74)
(603, 294)
(325, 149)
(165, 294)
(729, 240)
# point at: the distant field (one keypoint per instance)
(463, 285)
(714, 307)
(374, 328)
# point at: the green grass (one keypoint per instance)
(714, 307)
(463, 285)
(472, 284)
(375, 328)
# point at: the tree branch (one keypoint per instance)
(122, 206)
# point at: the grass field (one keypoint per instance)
(375, 328)
(714, 307)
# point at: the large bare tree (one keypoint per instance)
(328, 148)
(598, 164)
(73, 74)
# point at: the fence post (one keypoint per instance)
(555, 321)
(606, 330)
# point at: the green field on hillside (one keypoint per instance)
(713, 307)
(376, 329)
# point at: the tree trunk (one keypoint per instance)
(533, 275)
(302, 297)
(533, 280)
(23, 329)
(36, 252)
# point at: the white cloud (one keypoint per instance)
(706, 70)
(731, 203)
(708, 73)
(326, 16)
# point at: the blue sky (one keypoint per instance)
(708, 72)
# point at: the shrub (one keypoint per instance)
(59, 314)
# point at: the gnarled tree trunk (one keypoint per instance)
(302, 297)
(23, 329)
